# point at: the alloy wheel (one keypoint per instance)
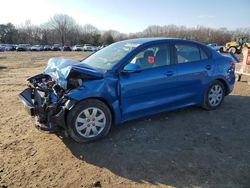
(215, 95)
(90, 122)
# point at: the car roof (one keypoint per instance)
(158, 39)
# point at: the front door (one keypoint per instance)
(148, 91)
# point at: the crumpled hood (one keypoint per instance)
(59, 69)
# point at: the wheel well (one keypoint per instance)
(107, 104)
(225, 85)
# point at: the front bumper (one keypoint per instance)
(30, 97)
(49, 118)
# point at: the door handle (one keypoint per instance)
(169, 73)
(208, 67)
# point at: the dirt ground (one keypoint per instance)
(185, 148)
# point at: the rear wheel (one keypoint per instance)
(214, 96)
(89, 120)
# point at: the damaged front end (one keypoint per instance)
(46, 97)
(46, 102)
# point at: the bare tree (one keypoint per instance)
(62, 23)
(107, 38)
(63, 29)
(8, 33)
(90, 34)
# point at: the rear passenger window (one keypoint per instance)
(204, 54)
(187, 53)
(190, 53)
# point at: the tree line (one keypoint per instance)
(63, 29)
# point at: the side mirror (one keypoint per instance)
(131, 68)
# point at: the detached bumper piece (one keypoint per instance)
(30, 97)
(47, 117)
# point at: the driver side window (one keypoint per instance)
(154, 56)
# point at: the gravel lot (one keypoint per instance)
(185, 148)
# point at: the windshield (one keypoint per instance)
(106, 58)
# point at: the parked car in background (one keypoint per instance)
(36, 48)
(47, 47)
(66, 48)
(124, 81)
(10, 47)
(89, 47)
(56, 47)
(100, 47)
(216, 47)
(2, 47)
(28, 46)
(103, 46)
(77, 48)
(23, 47)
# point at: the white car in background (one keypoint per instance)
(77, 48)
(216, 47)
(89, 47)
(36, 48)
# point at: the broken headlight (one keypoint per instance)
(74, 83)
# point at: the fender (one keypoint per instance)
(98, 89)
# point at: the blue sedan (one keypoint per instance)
(124, 81)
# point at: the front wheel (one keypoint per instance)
(89, 120)
(214, 96)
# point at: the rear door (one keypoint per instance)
(194, 70)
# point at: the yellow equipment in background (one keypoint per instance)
(237, 47)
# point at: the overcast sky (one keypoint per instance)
(131, 15)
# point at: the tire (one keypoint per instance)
(233, 49)
(214, 95)
(238, 77)
(84, 126)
